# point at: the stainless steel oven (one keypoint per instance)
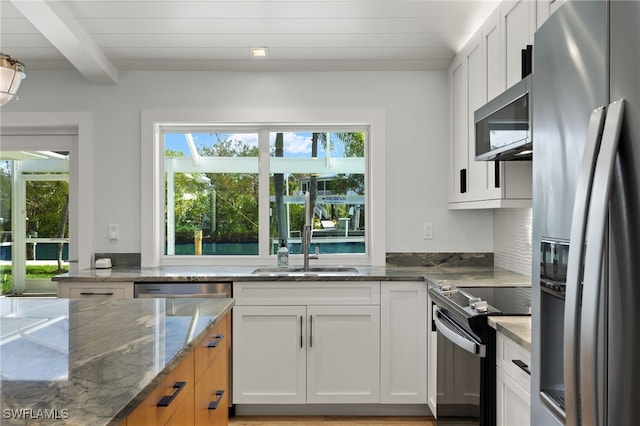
(466, 352)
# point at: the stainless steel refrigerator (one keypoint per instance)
(586, 230)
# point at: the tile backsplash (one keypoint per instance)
(512, 239)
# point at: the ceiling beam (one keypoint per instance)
(61, 29)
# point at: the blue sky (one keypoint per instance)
(295, 144)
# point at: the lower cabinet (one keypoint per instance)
(306, 354)
(403, 342)
(330, 342)
(196, 391)
(513, 383)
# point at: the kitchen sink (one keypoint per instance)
(311, 271)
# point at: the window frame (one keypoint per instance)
(265, 121)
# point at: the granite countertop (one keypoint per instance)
(517, 328)
(88, 362)
(462, 275)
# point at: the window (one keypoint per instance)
(230, 193)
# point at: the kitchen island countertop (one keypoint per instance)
(88, 362)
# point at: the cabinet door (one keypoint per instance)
(492, 40)
(512, 402)
(403, 349)
(518, 23)
(269, 354)
(343, 354)
(481, 182)
(459, 146)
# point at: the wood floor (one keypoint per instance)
(330, 420)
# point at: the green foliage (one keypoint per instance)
(33, 271)
(45, 203)
(223, 205)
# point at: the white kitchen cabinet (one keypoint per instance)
(478, 74)
(459, 144)
(513, 383)
(269, 354)
(518, 27)
(470, 179)
(493, 71)
(306, 342)
(112, 290)
(343, 354)
(403, 342)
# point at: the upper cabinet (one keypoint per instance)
(488, 64)
(518, 19)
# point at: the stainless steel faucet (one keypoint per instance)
(306, 232)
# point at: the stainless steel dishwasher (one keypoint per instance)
(182, 289)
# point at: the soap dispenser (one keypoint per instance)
(283, 255)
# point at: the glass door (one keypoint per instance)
(34, 215)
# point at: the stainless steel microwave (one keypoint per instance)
(503, 125)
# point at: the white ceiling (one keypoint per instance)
(102, 38)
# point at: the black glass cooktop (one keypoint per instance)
(506, 300)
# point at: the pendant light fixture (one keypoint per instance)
(12, 72)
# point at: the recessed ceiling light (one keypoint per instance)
(259, 52)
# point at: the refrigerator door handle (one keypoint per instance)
(575, 265)
(590, 383)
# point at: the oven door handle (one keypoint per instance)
(457, 335)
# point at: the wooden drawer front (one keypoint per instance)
(307, 293)
(513, 359)
(214, 343)
(148, 412)
(212, 393)
(183, 415)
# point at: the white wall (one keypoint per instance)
(415, 104)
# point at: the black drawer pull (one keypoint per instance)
(214, 404)
(167, 399)
(92, 293)
(214, 343)
(524, 367)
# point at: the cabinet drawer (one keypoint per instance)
(149, 413)
(212, 393)
(84, 290)
(307, 293)
(214, 343)
(513, 359)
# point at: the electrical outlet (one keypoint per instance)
(427, 231)
(114, 231)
